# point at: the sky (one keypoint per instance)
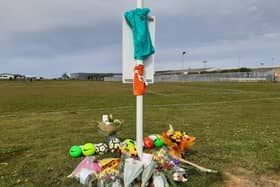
(47, 38)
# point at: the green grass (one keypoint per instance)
(236, 125)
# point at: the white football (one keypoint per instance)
(101, 148)
(114, 144)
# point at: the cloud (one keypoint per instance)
(84, 61)
(34, 15)
(51, 37)
(252, 51)
(63, 40)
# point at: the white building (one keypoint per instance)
(7, 76)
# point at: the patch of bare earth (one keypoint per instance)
(244, 178)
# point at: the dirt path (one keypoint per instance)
(244, 178)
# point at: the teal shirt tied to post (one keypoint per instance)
(138, 22)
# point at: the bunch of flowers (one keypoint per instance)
(110, 126)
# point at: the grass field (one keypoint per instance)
(236, 125)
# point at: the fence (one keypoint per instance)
(216, 77)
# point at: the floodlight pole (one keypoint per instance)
(139, 108)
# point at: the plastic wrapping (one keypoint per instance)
(132, 169)
(147, 173)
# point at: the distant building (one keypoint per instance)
(196, 74)
(262, 69)
(9, 76)
(210, 74)
(183, 71)
(116, 77)
(19, 77)
(91, 76)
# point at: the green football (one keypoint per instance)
(75, 151)
(129, 143)
(88, 149)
